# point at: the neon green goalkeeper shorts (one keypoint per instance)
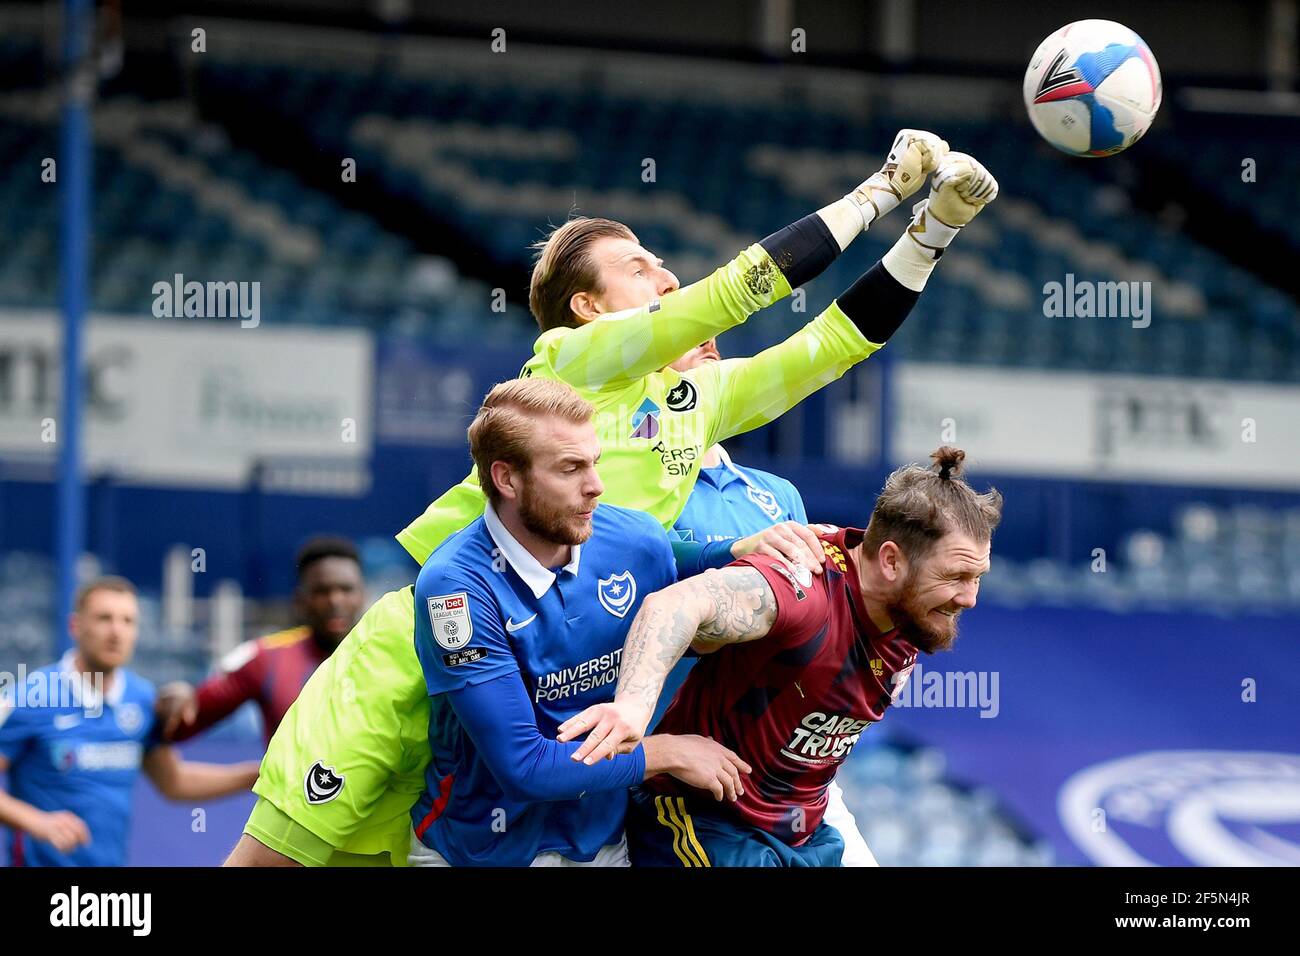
(344, 767)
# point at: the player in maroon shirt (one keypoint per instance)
(797, 666)
(272, 670)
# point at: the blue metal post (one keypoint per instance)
(73, 177)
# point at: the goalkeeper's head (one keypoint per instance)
(590, 266)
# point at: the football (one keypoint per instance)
(1092, 88)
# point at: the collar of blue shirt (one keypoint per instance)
(529, 569)
(730, 471)
(88, 695)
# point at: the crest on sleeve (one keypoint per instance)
(450, 621)
(322, 784)
(616, 593)
(793, 577)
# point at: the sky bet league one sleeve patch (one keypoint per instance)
(452, 628)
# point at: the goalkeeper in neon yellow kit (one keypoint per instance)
(345, 766)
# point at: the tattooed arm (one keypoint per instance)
(727, 606)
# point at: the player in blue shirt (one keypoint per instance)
(74, 736)
(729, 501)
(520, 619)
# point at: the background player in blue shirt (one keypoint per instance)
(729, 501)
(75, 735)
(519, 623)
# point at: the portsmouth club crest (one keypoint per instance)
(617, 593)
(129, 717)
(322, 784)
(645, 420)
(683, 396)
(765, 500)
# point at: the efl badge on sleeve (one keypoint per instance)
(449, 620)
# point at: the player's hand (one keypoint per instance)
(915, 154)
(790, 541)
(613, 728)
(63, 830)
(177, 705)
(961, 187)
(705, 764)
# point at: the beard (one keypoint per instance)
(917, 626)
(552, 522)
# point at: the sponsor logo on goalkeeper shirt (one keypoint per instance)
(678, 462)
(645, 420)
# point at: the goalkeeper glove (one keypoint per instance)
(959, 189)
(914, 155)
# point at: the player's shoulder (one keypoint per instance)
(461, 559)
(769, 480)
(137, 689)
(278, 640)
(629, 529)
(268, 644)
(624, 518)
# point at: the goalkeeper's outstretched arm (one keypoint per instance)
(754, 391)
(621, 347)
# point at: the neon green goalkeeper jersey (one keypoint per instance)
(347, 762)
(655, 424)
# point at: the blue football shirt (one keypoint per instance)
(729, 501)
(77, 754)
(485, 608)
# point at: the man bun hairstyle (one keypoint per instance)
(948, 461)
(504, 426)
(919, 505)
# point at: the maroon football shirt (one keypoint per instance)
(270, 670)
(793, 703)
